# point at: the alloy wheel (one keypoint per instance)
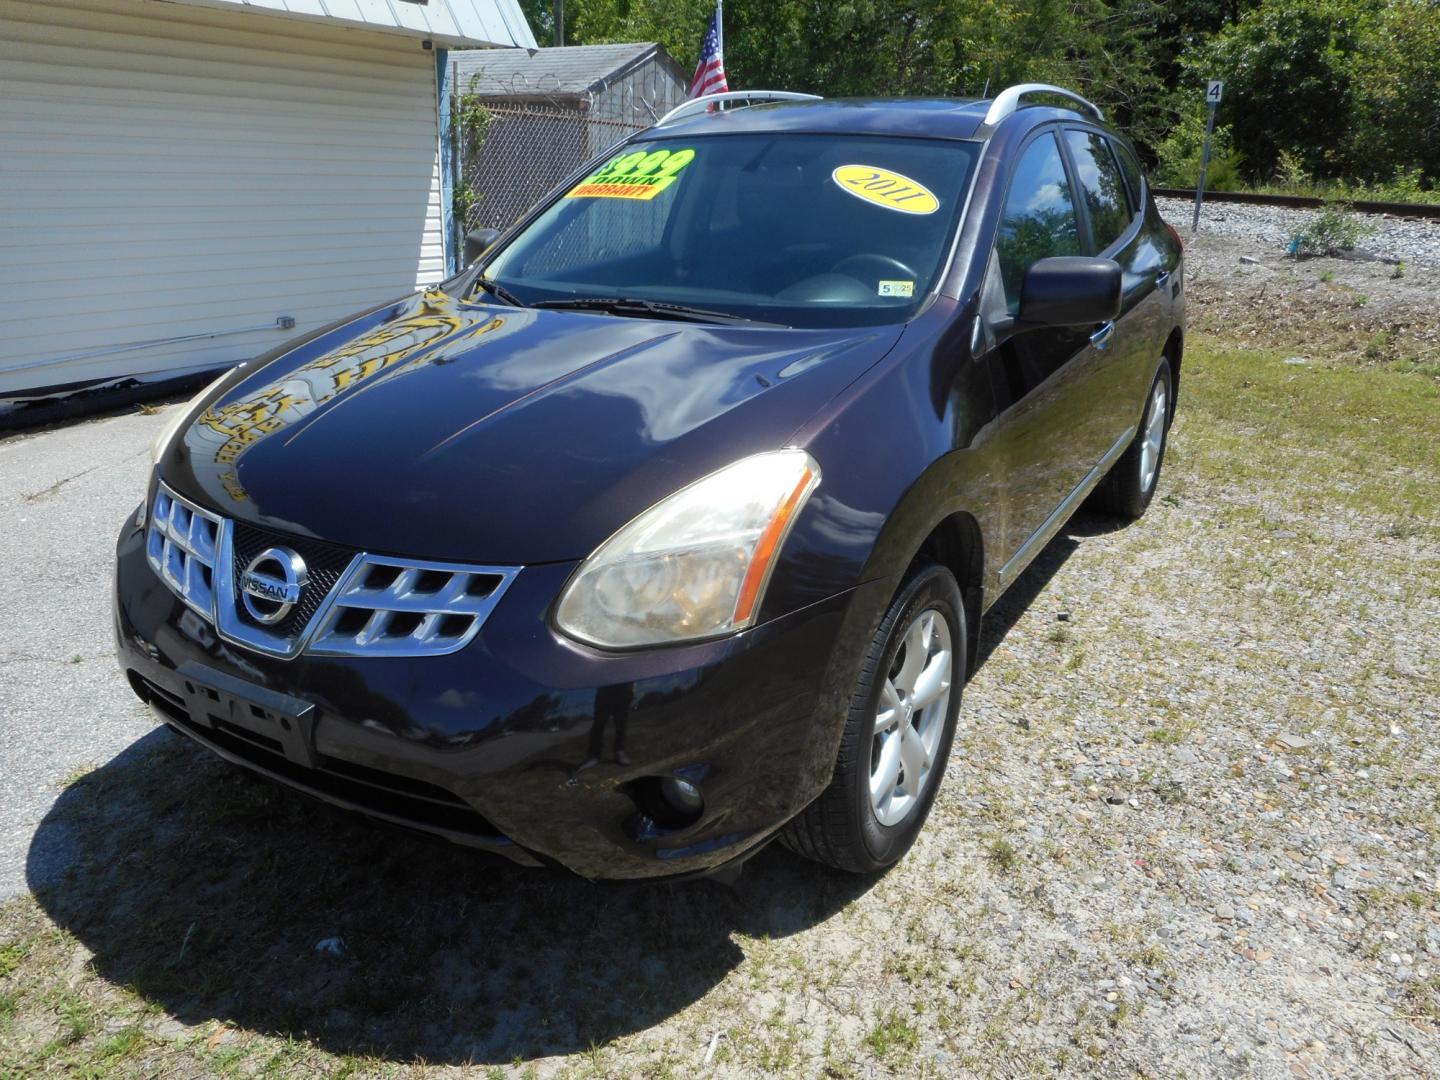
(910, 718)
(1154, 440)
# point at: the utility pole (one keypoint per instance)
(558, 9)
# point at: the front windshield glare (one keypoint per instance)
(801, 230)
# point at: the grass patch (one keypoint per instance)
(1004, 856)
(893, 1038)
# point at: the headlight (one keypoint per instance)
(178, 417)
(694, 565)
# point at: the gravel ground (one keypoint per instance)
(1392, 239)
(1243, 287)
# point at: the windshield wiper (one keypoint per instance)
(654, 309)
(500, 292)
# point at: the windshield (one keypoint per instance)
(800, 230)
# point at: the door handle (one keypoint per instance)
(1101, 338)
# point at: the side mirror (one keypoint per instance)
(478, 241)
(1070, 290)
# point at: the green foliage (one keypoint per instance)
(1333, 230)
(951, 47)
(1180, 150)
(1285, 69)
(893, 1037)
(1316, 91)
(469, 125)
(1290, 171)
(1003, 856)
(1405, 185)
(1396, 120)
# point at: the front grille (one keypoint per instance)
(181, 542)
(399, 798)
(324, 562)
(391, 607)
(352, 604)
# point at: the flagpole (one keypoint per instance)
(720, 26)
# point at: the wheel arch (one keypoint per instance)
(1174, 353)
(958, 544)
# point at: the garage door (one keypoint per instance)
(172, 172)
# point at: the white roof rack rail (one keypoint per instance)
(751, 97)
(1008, 101)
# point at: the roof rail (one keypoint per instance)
(700, 104)
(1008, 101)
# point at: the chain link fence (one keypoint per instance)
(509, 154)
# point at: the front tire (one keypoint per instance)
(897, 735)
(1130, 484)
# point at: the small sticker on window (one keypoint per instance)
(885, 188)
(638, 175)
(897, 288)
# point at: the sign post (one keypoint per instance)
(1214, 89)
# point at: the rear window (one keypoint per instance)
(1102, 186)
(1133, 177)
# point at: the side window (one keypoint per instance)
(1131, 169)
(1102, 186)
(1039, 218)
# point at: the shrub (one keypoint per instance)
(1335, 229)
(1180, 151)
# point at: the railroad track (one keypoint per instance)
(1408, 211)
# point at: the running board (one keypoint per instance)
(1053, 524)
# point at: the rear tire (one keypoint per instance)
(897, 735)
(1130, 484)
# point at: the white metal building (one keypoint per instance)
(180, 178)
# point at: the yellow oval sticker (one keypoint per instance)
(885, 188)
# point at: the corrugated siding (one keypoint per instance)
(167, 171)
(465, 23)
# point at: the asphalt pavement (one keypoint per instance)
(64, 706)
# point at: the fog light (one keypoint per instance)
(684, 797)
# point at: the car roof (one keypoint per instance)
(936, 118)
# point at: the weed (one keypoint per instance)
(1004, 856)
(11, 954)
(1422, 999)
(893, 1036)
(1334, 229)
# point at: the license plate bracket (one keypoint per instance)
(219, 701)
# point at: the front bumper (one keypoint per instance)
(522, 743)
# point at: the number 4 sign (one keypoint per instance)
(1213, 91)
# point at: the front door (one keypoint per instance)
(1051, 430)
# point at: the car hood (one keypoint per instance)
(449, 430)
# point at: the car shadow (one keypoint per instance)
(218, 896)
(1001, 618)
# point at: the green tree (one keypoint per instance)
(1288, 86)
(1396, 89)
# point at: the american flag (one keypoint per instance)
(710, 72)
